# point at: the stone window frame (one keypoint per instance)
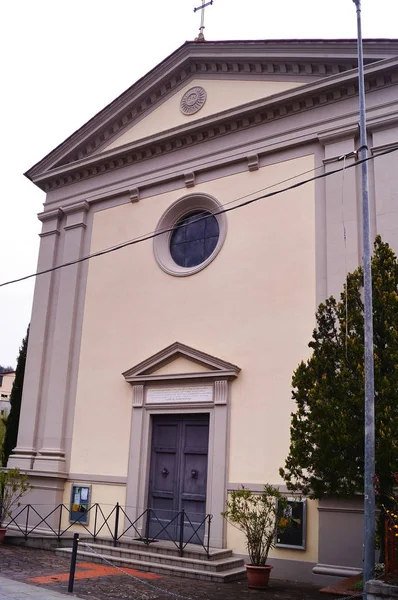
(178, 210)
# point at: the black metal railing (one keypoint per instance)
(28, 521)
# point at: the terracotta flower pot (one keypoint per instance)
(2, 534)
(258, 577)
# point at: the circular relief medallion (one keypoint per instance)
(193, 100)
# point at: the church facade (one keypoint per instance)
(159, 372)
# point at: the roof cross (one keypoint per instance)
(201, 37)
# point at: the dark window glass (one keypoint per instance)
(194, 239)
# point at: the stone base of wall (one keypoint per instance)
(326, 575)
(378, 590)
(340, 536)
(292, 570)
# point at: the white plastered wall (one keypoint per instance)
(253, 305)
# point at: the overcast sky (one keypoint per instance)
(63, 61)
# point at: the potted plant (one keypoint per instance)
(13, 486)
(257, 515)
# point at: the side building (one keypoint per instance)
(6, 383)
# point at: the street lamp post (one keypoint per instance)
(369, 493)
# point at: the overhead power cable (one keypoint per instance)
(222, 210)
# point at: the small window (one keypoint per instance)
(194, 232)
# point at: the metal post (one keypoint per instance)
(147, 523)
(73, 563)
(181, 544)
(208, 536)
(369, 493)
(95, 522)
(116, 524)
(60, 521)
(27, 523)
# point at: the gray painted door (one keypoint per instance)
(178, 476)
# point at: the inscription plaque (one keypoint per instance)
(179, 394)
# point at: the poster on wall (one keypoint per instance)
(292, 533)
(80, 504)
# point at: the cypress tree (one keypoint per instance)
(3, 422)
(326, 455)
(12, 423)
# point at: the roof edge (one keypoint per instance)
(183, 53)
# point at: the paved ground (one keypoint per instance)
(16, 590)
(47, 575)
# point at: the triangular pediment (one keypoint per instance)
(180, 361)
(234, 73)
(221, 94)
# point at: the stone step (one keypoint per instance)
(184, 568)
(163, 547)
(203, 564)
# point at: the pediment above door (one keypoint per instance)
(179, 362)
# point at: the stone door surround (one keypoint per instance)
(206, 390)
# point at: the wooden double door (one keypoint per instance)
(178, 476)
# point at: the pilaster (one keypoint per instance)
(220, 451)
(342, 212)
(25, 452)
(51, 455)
(138, 415)
(385, 205)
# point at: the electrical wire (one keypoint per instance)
(160, 231)
(222, 210)
(268, 187)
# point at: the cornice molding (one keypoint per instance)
(383, 123)
(106, 479)
(51, 220)
(142, 106)
(79, 207)
(75, 226)
(294, 57)
(294, 101)
(50, 215)
(383, 148)
(336, 135)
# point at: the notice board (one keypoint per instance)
(80, 503)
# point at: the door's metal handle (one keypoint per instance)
(194, 474)
(164, 472)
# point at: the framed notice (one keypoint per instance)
(80, 504)
(292, 533)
